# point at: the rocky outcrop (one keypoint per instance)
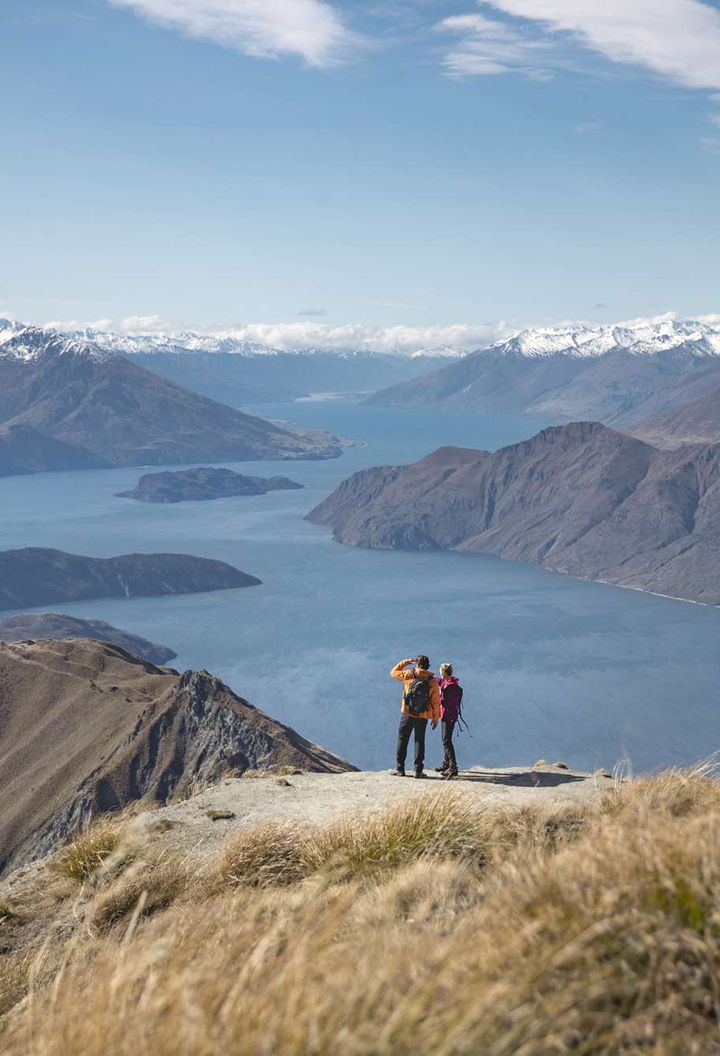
(89, 728)
(201, 484)
(73, 391)
(579, 499)
(39, 625)
(36, 576)
(26, 450)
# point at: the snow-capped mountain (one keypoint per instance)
(620, 374)
(230, 343)
(29, 343)
(66, 402)
(641, 337)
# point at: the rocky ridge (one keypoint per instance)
(579, 499)
(89, 728)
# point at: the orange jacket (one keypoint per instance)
(406, 672)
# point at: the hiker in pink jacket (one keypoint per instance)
(451, 694)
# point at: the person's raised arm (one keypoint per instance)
(399, 670)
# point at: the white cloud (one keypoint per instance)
(267, 29)
(488, 46)
(133, 324)
(308, 334)
(678, 39)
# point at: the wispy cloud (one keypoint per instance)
(488, 46)
(676, 39)
(268, 29)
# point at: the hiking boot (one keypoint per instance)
(442, 769)
(420, 774)
(449, 774)
(397, 772)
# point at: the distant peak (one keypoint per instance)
(29, 343)
(640, 337)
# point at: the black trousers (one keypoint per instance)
(408, 726)
(448, 729)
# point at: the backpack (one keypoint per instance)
(417, 697)
(451, 700)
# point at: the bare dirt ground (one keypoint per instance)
(201, 824)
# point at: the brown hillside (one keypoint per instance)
(86, 728)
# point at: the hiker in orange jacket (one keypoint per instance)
(420, 704)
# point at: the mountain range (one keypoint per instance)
(88, 728)
(111, 410)
(228, 368)
(619, 375)
(580, 499)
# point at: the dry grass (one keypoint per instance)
(144, 888)
(84, 856)
(594, 932)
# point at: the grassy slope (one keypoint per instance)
(430, 928)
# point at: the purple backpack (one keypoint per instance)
(451, 695)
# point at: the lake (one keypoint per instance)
(552, 667)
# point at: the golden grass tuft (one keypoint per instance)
(84, 856)
(270, 855)
(592, 930)
(144, 888)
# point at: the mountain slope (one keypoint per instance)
(228, 368)
(88, 728)
(694, 422)
(615, 375)
(36, 576)
(37, 625)
(25, 450)
(580, 499)
(77, 393)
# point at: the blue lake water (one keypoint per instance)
(553, 667)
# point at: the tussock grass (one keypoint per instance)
(144, 888)
(428, 827)
(540, 932)
(84, 856)
(14, 977)
(270, 855)
(6, 911)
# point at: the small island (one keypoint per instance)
(203, 484)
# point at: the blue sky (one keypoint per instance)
(422, 162)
